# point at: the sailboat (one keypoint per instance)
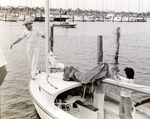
(139, 18)
(65, 24)
(9, 16)
(129, 18)
(55, 98)
(24, 15)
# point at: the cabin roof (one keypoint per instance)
(55, 84)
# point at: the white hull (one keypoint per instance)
(83, 18)
(128, 19)
(23, 18)
(11, 18)
(89, 18)
(42, 112)
(8, 18)
(140, 19)
(78, 18)
(44, 94)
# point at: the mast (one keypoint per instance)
(10, 7)
(121, 5)
(10, 3)
(31, 5)
(128, 9)
(27, 5)
(96, 5)
(102, 10)
(128, 5)
(1, 6)
(139, 7)
(102, 6)
(47, 34)
(106, 4)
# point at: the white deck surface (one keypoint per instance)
(56, 83)
(113, 107)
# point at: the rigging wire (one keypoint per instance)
(64, 51)
(148, 2)
(78, 60)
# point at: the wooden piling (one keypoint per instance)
(51, 38)
(73, 18)
(24, 17)
(83, 18)
(99, 49)
(117, 44)
(99, 91)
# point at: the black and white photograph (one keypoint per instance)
(74, 59)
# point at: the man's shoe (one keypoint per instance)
(33, 77)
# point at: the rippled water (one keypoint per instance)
(74, 46)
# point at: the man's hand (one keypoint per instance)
(43, 36)
(11, 46)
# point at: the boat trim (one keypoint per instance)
(40, 106)
(56, 93)
(44, 90)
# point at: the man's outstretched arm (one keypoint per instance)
(17, 41)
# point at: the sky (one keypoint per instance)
(114, 5)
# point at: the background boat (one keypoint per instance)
(41, 17)
(65, 25)
(25, 17)
(9, 18)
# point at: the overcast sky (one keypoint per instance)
(115, 5)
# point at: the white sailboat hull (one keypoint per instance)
(41, 112)
(43, 103)
(43, 95)
(8, 18)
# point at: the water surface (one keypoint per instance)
(76, 47)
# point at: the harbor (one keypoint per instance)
(81, 14)
(72, 47)
(15, 14)
(44, 97)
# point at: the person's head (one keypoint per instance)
(28, 24)
(129, 73)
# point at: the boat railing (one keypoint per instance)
(112, 90)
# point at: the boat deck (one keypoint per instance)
(54, 84)
(42, 86)
(111, 108)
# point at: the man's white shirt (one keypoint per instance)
(32, 37)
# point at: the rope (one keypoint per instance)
(63, 50)
(126, 58)
(77, 59)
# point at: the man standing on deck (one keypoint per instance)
(32, 35)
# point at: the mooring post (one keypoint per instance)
(51, 38)
(83, 18)
(117, 44)
(99, 92)
(100, 49)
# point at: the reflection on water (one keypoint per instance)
(77, 47)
